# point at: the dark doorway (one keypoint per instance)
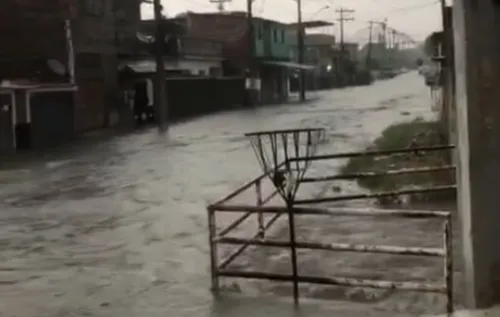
(141, 102)
(6, 133)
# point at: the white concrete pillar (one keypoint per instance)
(477, 57)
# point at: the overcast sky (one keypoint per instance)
(417, 18)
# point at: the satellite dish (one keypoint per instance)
(56, 66)
(145, 38)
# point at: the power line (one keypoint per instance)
(342, 19)
(415, 7)
(220, 4)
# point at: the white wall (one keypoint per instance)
(195, 66)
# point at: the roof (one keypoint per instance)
(145, 66)
(311, 24)
(240, 14)
(32, 85)
(142, 66)
(292, 65)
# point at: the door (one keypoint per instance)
(7, 143)
(52, 118)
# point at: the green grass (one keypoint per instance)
(400, 136)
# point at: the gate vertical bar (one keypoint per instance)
(448, 270)
(293, 251)
(260, 215)
(213, 249)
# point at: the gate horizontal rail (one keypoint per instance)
(376, 195)
(298, 208)
(367, 212)
(337, 246)
(373, 153)
(232, 256)
(240, 220)
(403, 171)
(338, 281)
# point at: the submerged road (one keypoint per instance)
(118, 227)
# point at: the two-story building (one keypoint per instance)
(270, 59)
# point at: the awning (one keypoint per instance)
(289, 65)
(144, 66)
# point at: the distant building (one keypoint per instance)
(351, 51)
(186, 54)
(269, 41)
(320, 51)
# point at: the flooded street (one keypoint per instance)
(118, 227)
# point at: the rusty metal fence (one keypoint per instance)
(219, 267)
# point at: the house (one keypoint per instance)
(37, 88)
(319, 51)
(187, 54)
(185, 57)
(270, 61)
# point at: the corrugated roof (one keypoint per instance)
(311, 24)
(142, 66)
(292, 65)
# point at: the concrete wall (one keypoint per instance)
(197, 66)
(477, 64)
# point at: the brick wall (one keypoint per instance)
(24, 26)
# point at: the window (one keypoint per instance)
(259, 33)
(275, 35)
(94, 7)
(282, 36)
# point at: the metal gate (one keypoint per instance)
(219, 267)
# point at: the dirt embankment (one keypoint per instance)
(417, 133)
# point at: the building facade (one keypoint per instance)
(320, 52)
(270, 57)
(102, 31)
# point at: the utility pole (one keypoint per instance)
(384, 41)
(220, 4)
(370, 42)
(394, 39)
(250, 54)
(161, 102)
(446, 73)
(384, 33)
(369, 47)
(300, 44)
(342, 19)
